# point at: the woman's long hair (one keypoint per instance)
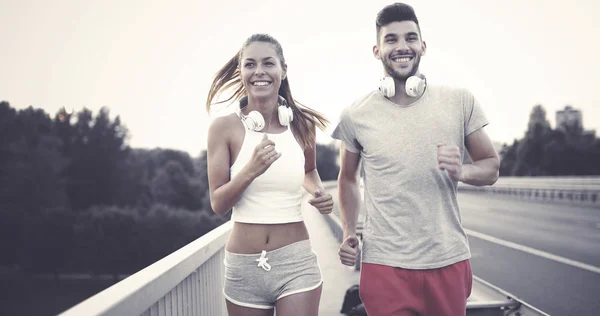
(229, 77)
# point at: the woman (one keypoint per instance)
(259, 160)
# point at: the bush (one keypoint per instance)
(46, 241)
(125, 240)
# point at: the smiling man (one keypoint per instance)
(411, 138)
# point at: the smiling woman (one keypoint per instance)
(259, 160)
(231, 76)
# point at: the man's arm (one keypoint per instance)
(348, 190)
(486, 164)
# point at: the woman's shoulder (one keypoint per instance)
(225, 126)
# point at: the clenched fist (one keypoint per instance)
(349, 250)
(323, 201)
(263, 157)
(449, 159)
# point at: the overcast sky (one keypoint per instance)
(152, 62)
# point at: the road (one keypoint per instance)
(545, 254)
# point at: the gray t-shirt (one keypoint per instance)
(412, 216)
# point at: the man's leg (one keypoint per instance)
(389, 291)
(447, 289)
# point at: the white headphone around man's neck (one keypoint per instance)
(414, 86)
(256, 122)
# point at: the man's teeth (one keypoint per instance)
(261, 83)
(402, 59)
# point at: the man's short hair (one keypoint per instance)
(397, 12)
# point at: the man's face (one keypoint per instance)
(399, 47)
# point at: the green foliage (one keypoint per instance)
(125, 240)
(47, 241)
(76, 198)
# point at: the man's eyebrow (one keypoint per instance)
(390, 35)
(412, 33)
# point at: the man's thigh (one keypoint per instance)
(389, 291)
(447, 289)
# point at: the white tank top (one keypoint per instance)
(275, 196)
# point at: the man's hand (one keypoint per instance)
(349, 250)
(449, 159)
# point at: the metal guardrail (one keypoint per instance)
(186, 282)
(489, 300)
(569, 190)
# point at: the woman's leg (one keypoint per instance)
(237, 310)
(300, 304)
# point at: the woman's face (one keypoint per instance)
(261, 70)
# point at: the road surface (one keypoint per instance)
(545, 254)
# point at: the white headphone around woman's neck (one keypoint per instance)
(255, 121)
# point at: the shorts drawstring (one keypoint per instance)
(262, 261)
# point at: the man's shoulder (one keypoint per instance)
(361, 102)
(449, 91)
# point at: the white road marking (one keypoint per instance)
(533, 251)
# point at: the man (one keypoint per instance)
(412, 140)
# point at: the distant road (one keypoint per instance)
(569, 231)
(560, 276)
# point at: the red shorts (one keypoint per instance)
(389, 291)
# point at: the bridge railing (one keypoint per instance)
(186, 282)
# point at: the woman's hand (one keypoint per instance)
(263, 156)
(323, 201)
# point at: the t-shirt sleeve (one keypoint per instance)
(345, 132)
(474, 117)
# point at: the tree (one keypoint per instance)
(530, 151)
(327, 166)
(568, 150)
(170, 186)
(508, 156)
(31, 181)
(96, 149)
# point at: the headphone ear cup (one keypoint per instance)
(254, 121)
(415, 86)
(387, 86)
(285, 114)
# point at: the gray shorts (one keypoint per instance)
(259, 280)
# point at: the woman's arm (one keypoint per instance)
(312, 180)
(321, 200)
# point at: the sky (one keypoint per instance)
(152, 62)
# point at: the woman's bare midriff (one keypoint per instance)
(253, 238)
